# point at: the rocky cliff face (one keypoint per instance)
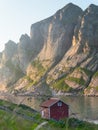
(54, 37)
(80, 62)
(57, 33)
(61, 54)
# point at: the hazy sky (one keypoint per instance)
(18, 15)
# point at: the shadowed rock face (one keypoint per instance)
(62, 50)
(10, 50)
(86, 31)
(24, 51)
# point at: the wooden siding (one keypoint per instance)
(54, 109)
(45, 113)
(59, 112)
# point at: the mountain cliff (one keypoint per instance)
(60, 55)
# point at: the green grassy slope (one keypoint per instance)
(21, 117)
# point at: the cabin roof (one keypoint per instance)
(50, 102)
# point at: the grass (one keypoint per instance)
(30, 83)
(40, 70)
(96, 88)
(28, 78)
(77, 80)
(96, 74)
(9, 121)
(14, 118)
(69, 124)
(61, 85)
(37, 64)
(12, 121)
(88, 72)
(90, 87)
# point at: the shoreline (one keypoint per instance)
(72, 94)
(91, 121)
(95, 121)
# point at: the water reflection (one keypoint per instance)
(82, 107)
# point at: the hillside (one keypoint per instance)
(60, 55)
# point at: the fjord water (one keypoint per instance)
(81, 107)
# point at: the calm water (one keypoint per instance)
(81, 107)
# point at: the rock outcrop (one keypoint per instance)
(61, 51)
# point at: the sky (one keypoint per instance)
(17, 16)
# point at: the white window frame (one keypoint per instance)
(59, 104)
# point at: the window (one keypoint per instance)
(59, 104)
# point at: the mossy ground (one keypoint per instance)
(69, 124)
(17, 117)
(61, 85)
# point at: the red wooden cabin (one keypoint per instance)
(54, 109)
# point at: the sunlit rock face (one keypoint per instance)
(61, 53)
(80, 62)
(54, 35)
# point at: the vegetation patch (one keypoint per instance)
(28, 78)
(21, 117)
(18, 117)
(88, 72)
(88, 88)
(37, 64)
(80, 81)
(96, 88)
(30, 83)
(61, 85)
(96, 74)
(69, 124)
(10, 121)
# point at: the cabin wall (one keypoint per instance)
(45, 112)
(59, 112)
